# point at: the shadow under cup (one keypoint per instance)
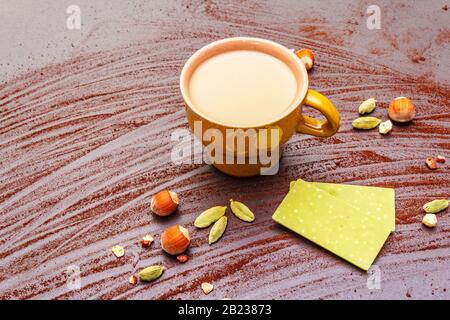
(245, 150)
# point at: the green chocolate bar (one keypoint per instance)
(332, 223)
(375, 201)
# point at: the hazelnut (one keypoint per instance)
(164, 203)
(182, 258)
(431, 163)
(207, 287)
(146, 241)
(118, 251)
(401, 109)
(133, 280)
(430, 220)
(307, 57)
(385, 127)
(175, 240)
(440, 159)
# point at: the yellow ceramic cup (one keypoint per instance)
(288, 123)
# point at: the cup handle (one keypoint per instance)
(315, 127)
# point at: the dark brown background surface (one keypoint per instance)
(86, 118)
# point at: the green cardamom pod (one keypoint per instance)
(435, 206)
(207, 217)
(241, 211)
(365, 123)
(218, 229)
(367, 106)
(151, 273)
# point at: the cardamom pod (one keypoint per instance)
(207, 217)
(151, 273)
(241, 211)
(365, 123)
(367, 106)
(435, 206)
(218, 229)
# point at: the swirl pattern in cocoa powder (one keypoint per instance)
(85, 143)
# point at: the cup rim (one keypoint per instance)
(301, 93)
